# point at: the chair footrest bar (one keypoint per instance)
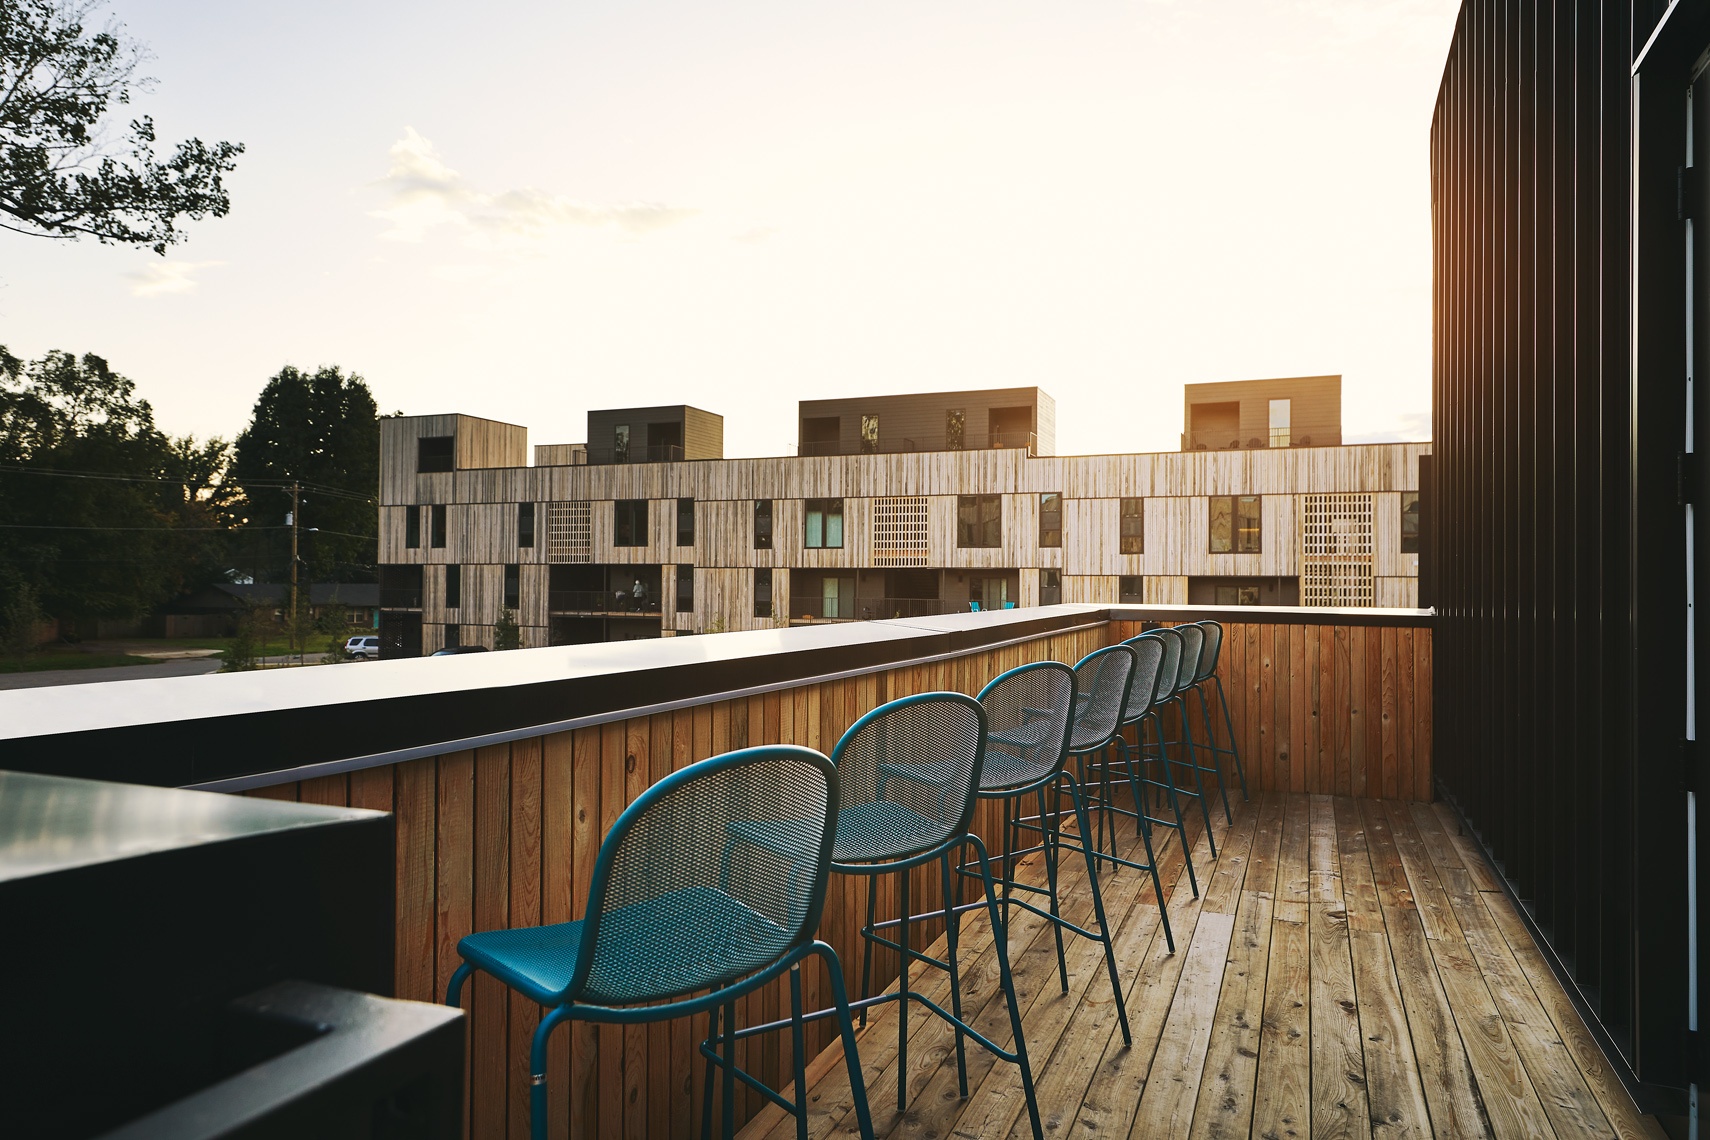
(751, 1081)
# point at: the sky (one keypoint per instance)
(525, 211)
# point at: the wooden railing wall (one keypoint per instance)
(506, 836)
(1340, 710)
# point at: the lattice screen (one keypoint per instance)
(900, 531)
(1336, 551)
(569, 532)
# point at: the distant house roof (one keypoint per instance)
(229, 596)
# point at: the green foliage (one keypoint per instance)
(102, 514)
(244, 652)
(20, 615)
(65, 170)
(506, 634)
(320, 429)
(333, 627)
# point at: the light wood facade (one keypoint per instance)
(482, 500)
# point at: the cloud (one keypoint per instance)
(161, 278)
(754, 236)
(424, 194)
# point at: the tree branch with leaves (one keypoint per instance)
(66, 169)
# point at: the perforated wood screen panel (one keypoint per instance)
(569, 532)
(900, 531)
(1336, 551)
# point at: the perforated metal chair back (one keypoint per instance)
(1213, 648)
(1149, 651)
(907, 775)
(1170, 670)
(1029, 712)
(1103, 680)
(1193, 641)
(679, 902)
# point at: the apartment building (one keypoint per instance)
(878, 517)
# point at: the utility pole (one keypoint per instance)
(294, 512)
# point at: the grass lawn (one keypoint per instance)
(72, 659)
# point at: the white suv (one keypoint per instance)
(363, 648)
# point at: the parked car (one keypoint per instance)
(363, 648)
(454, 650)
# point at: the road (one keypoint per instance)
(173, 667)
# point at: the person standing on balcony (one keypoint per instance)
(639, 592)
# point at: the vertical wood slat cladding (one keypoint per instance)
(1332, 710)
(506, 835)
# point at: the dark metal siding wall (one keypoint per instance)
(1542, 699)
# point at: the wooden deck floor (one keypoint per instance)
(1351, 969)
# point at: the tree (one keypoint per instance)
(506, 635)
(320, 431)
(101, 513)
(65, 170)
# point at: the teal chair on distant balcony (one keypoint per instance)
(973, 607)
(682, 911)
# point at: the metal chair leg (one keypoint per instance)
(1000, 943)
(902, 991)
(798, 1044)
(1229, 724)
(952, 923)
(846, 1025)
(1049, 827)
(537, 1071)
(1105, 934)
(454, 991)
(867, 946)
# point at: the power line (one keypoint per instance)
(266, 484)
(151, 529)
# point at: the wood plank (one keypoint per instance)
(1423, 789)
(1387, 679)
(1404, 704)
(1572, 1109)
(1172, 1088)
(1293, 890)
(557, 854)
(413, 952)
(1444, 1071)
(489, 1004)
(1282, 1086)
(1359, 758)
(525, 911)
(1301, 714)
(1339, 1106)
(1618, 1108)
(586, 833)
(1273, 730)
(454, 878)
(1395, 1096)
(1225, 1106)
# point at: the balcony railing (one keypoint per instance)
(970, 442)
(475, 755)
(637, 453)
(400, 597)
(869, 609)
(1234, 441)
(603, 602)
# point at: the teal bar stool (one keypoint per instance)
(1207, 675)
(682, 911)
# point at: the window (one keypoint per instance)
(1050, 587)
(525, 525)
(869, 435)
(762, 524)
(1133, 526)
(453, 587)
(513, 587)
(433, 453)
(1238, 594)
(412, 528)
(979, 520)
(1410, 522)
(1051, 518)
(1131, 590)
(620, 443)
(1279, 423)
(685, 589)
(763, 592)
(685, 522)
(823, 524)
(955, 429)
(1234, 524)
(453, 636)
(437, 539)
(629, 522)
